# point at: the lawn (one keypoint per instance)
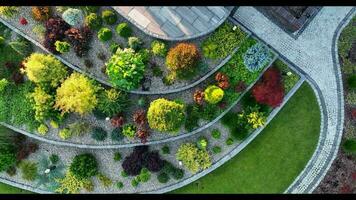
(275, 158)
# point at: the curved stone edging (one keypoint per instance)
(176, 90)
(173, 39)
(169, 139)
(339, 126)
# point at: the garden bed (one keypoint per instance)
(156, 70)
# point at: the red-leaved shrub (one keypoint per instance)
(55, 29)
(353, 113)
(270, 90)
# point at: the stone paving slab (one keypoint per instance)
(175, 22)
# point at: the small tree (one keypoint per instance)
(77, 94)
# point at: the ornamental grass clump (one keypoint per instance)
(125, 69)
(45, 70)
(166, 116)
(77, 94)
(193, 158)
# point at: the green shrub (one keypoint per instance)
(134, 43)
(8, 11)
(182, 58)
(125, 69)
(223, 41)
(45, 69)
(216, 134)
(210, 111)
(178, 174)
(84, 166)
(111, 102)
(42, 104)
(192, 118)
(165, 150)
(73, 17)
(99, 134)
(158, 48)
(3, 84)
(202, 143)
(28, 170)
(78, 128)
(349, 146)
(165, 115)
(229, 141)
(142, 102)
(77, 94)
(163, 177)
(117, 156)
(124, 174)
(89, 9)
(119, 185)
(71, 184)
(64, 134)
(134, 182)
(93, 21)
(104, 34)
(213, 94)
(42, 129)
(144, 175)
(129, 130)
(116, 135)
(351, 81)
(104, 180)
(145, 54)
(2, 41)
(54, 158)
(7, 156)
(216, 149)
(109, 17)
(62, 47)
(193, 158)
(21, 46)
(124, 30)
(113, 47)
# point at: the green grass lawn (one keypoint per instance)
(271, 162)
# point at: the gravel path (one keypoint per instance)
(314, 52)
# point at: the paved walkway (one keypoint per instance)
(175, 22)
(315, 53)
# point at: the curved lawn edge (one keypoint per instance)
(176, 90)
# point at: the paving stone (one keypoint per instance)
(171, 30)
(187, 14)
(187, 28)
(203, 12)
(139, 18)
(219, 11)
(125, 9)
(200, 24)
(171, 15)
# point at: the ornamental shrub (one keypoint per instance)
(216, 134)
(44, 69)
(93, 21)
(55, 30)
(21, 46)
(182, 58)
(193, 158)
(117, 156)
(2, 41)
(111, 102)
(62, 47)
(41, 13)
(3, 84)
(113, 47)
(78, 128)
(104, 180)
(76, 94)
(119, 185)
(29, 170)
(144, 175)
(165, 150)
(216, 149)
(116, 135)
(109, 17)
(54, 124)
(104, 34)
(202, 143)
(42, 129)
(79, 38)
(7, 156)
(89, 9)
(163, 177)
(351, 81)
(177, 174)
(270, 90)
(8, 11)
(134, 43)
(73, 17)
(129, 130)
(256, 57)
(84, 166)
(213, 94)
(64, 134)
(99, 134)
(165, 115)
(39, 30)
(229, 141)
(124, 30)
(159, 48)
(125, 69)
(70, 184)
(349, 146)
(256, 119)
(54, 158)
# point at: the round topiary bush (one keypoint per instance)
(109, 17)
(62, 47)
(84, 166)
(165, 115)
(93, 21)
(183, 57)
(129, 130)
(73, 17)
(163, 177)
(125, 69)
(213, 94)
(99, 134)
(116, 135)
(158, 48)
(350, 146)
(104, 34)
(124, 30)
(351, 81)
